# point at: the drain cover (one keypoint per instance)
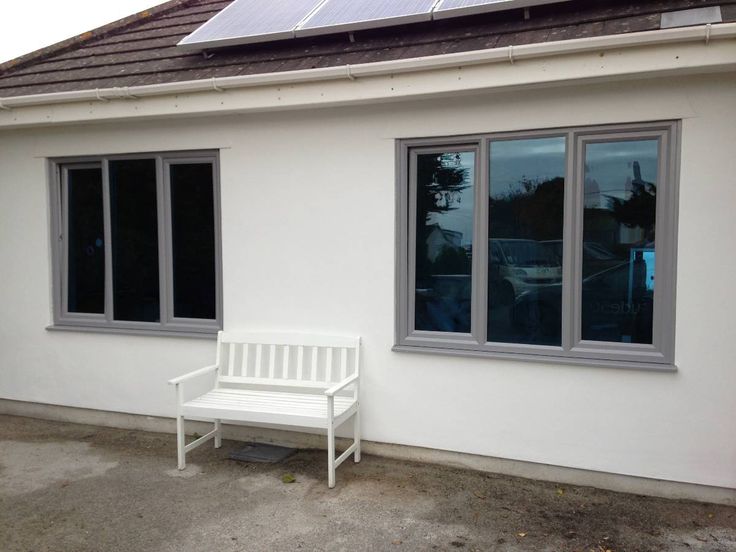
(261, 452)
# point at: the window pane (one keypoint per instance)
(85, 242)
(193, 240)
(444, 243)
(618, 241)
(525, 220)
(134, 240)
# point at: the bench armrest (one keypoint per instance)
(338, 386)
(194, 374)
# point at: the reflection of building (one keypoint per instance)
(592, 193)
(601, 225)
(439, 238)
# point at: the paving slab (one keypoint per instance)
(76, 488)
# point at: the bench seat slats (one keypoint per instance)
(266, 407)
(247, 400)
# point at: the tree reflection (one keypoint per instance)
(639, 208)
(531, 211)
(441, 180)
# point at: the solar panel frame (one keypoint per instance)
(446, 9)
(315, 25)
(219, 31)
(312, 17)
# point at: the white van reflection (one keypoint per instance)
(517, 266)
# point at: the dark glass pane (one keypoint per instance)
(525, 220)
(445, 187)
(618, 241)
(134, 240)
(85, 242)
(193, 240)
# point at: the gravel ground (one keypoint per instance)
(75, 488)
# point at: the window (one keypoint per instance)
(137, 243)
(540, 245)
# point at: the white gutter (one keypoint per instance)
(507, 54)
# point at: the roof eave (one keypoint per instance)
(510, 55)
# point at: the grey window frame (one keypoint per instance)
(573, 350)
(168, 324)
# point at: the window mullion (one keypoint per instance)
(480, 246)
(168, 291)
(107, 225)
(572, 236)
(164, 271)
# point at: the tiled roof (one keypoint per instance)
(141, 49)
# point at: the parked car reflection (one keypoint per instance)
(517, 266)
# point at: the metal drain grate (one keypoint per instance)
(261, 452)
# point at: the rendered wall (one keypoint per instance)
(308, 244)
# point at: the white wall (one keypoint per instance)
(308, 240)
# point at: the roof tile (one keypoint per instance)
(141, 49)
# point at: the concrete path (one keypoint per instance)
(74, 488)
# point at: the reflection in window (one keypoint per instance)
(193, 240)
(134, 239)
(444, 242)
(525, 220)
(85, 241)
(618, 241)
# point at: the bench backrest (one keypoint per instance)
(286, 358)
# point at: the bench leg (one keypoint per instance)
(218, 435)
(356, 435)
(331, 455)
(181, 453)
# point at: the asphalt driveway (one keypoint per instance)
(75, 488)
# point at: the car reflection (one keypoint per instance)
(517, 266)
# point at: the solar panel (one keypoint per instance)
(248, 21)
(457, 8)
(348, 15)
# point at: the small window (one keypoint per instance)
(540, 245)
(138, 243)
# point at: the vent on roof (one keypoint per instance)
(252, 21)
(686, 18)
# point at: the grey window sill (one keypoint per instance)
(545, 359)
(127, 331)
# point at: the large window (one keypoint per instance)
(136, 243)
(540, 245)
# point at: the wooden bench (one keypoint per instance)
(298, 380)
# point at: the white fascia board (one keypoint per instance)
(636, 55)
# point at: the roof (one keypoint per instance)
(141, 49)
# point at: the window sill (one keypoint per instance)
(128, 331)
(546, 359)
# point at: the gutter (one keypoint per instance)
(506, 54)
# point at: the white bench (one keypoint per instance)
(299, 380)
